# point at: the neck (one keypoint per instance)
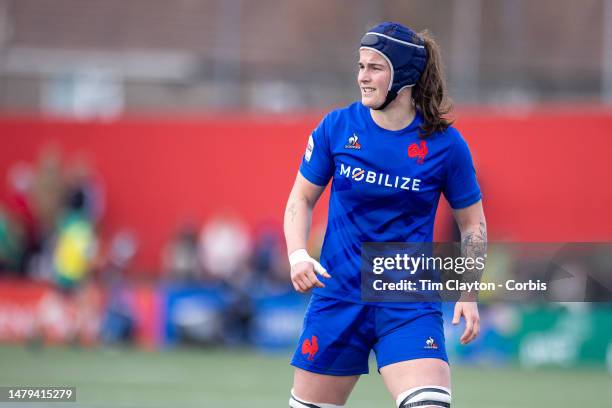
(398, 114)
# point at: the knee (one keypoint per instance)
(295, 402)
(424, 397)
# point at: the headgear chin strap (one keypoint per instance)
(403, 50)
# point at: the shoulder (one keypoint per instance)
(452, 138)
(451, 135)
(340, 118)
(457, 151)
(346, 113)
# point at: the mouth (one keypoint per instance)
(367, 91)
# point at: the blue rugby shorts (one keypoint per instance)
(338, 336)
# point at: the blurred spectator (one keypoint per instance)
(119, 319)
(180, 255)
(19, 186)
(48, 191)
(225, 247)
(75, 300)
(119, 256)
(76, 240)
(47, 199)
(269, 261)
(58, 212)
(84, 191)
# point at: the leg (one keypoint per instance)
(412, 359)
(322, 389)
(417, 381)
(331, 354)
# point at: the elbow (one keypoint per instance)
(297, 198)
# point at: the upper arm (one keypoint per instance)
(306, 190)
(461, 187)
(470, 217)
(317, 163)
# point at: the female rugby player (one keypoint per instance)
(390, 155)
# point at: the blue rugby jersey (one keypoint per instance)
(386, 187)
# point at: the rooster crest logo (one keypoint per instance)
(417, 151)
(310, 347)
(353, 142)
(430, 343)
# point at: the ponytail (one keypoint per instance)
(430, 94)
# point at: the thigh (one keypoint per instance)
(404, 335)
(410, 350)
(402, 376)
(321, 388)
(335, 340)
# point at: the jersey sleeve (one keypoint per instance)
(317, 163)
(461, 188)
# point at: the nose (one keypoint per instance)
(363, 76)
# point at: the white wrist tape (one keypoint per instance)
(301, 255)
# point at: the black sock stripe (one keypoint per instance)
(305, 403)
(430, 403)
(417, 392)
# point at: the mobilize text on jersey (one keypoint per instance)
(381, 179)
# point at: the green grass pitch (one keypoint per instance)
(191, 378)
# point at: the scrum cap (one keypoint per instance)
(404, 51)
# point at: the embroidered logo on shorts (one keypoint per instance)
(310, 347)
(430, 343)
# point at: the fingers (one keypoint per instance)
(468, 332)
(299, 286)
(472, 326)
(312, 279)
(321, 270)
(457, 314)
(469, 311)
(470, 335)
(476, 329)
(303, 277)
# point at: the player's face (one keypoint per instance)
(373, 78)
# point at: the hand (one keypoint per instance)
(303, 276)
(469, 310)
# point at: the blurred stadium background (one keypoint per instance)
(147, 149)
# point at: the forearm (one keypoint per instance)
(474, 246)
(298, 218)
(474, 240)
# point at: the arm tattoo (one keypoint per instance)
(474, 245)
(292, 211)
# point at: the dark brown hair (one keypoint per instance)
(429, 94)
